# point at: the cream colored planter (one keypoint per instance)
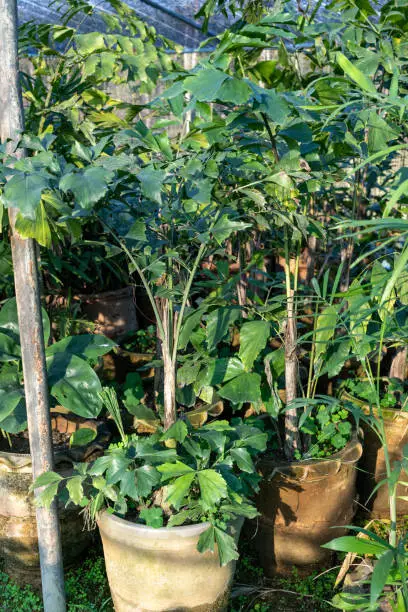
(153, 570)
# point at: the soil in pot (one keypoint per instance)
(300, 503)
(372, 464)
(157, 570)
(18, 527)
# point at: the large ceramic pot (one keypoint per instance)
(373, 468)
(300, 503)
(113, 312)
(153, 570)
(18, 527)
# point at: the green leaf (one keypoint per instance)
(153, 517)
(89, 43)
(205, 84)
(172, 470)
(243, 388)
(39, 228)
(133, 391)
(253, 338)
(23, 191)
(225, 226)
(212, 487)
(356, 545)
(13, 413)
(227, 549)
(9, 320)
(9, 349)
(46, 497)
(86, 346)
(325, 328)
(221, 370)
(234, 90)
(147, 477)
(380, 575)
(74, 384)
(355, 74)
(46, 479)
(75, 489)
(206, 541)
(178, 431)
(218, 324)
(88, 186)
(243, 459)
(178, 490)
(82, 436)
(137, 232)
(152, 182)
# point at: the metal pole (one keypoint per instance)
(26, 281)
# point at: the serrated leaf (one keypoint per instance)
(243, 459)
(152, 181)
(206, 541)
(88, 186)
(212, 487)
(205, 84)
(153, 517)
(178, 490)
(75, 489)
(178, 431)
(172, 470)
(227, 549)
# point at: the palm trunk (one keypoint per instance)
(292, 439)
(169, 385)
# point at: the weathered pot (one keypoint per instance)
(299, 504)
(113, 312)
(153, 570)
(18, 527)
(373, 468)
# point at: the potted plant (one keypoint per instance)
(78, 435)
(309, 476)
(169, 507)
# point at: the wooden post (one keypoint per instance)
(26, 281)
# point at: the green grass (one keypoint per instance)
(88, 590)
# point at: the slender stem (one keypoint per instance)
(142, 278)
(186, 294)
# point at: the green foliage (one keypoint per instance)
(72, 381)
(208, 476)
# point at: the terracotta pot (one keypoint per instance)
(18, 527)
(113, 312)
(299, 504)
(153, 570)
(373, 464)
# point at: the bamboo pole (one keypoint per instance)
(26, 281)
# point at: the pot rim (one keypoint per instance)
(160, 532)
(299, 470)
(123, 292)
